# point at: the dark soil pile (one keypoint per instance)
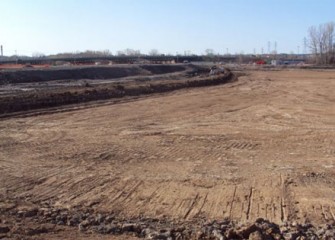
(111, 72)
(53, 98)
(27, 221)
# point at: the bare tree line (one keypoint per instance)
(105, 53)
(87, 53)
(321, 42)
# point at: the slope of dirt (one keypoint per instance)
(109, 72)
(49, 96)
(226, 155)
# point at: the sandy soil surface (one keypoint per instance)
(263, 146)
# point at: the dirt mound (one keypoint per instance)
(48, 220)
(46, 99)
(29, 76)
(162, 69)
(111, 72)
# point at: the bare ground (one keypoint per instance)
(263, 146)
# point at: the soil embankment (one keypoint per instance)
(67, 94)
(111, 72)
(33, 222)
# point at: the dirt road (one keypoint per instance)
(263, 146)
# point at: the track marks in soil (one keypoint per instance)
(250, 200)
(309, 183)
(183, 155)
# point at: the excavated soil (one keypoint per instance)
(250, 159)
(36, 89)
(74, 73)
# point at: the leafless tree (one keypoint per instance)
(85, 54)
(329, 38)
(153, 52)
(132, 52)
(209, 52)
(106, 52)
(321, 42)
(120, 53)
(38, 55)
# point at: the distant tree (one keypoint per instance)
(153, 52)
(38, 55)
(85, 54)
(107, 53)
(120, 53)
(132, 52)
(321, 42)
(240, 57)
(209, 52)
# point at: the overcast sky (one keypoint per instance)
(171, 26)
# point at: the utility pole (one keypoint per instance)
(275, 51)
(16, 56)
(269, 47)
(305, 45)
(1, 51)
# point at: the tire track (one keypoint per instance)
(250, 201)
(232, 203)
(190, 208)
(283, 213)
(202, 206)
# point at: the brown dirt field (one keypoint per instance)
(263, 146)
